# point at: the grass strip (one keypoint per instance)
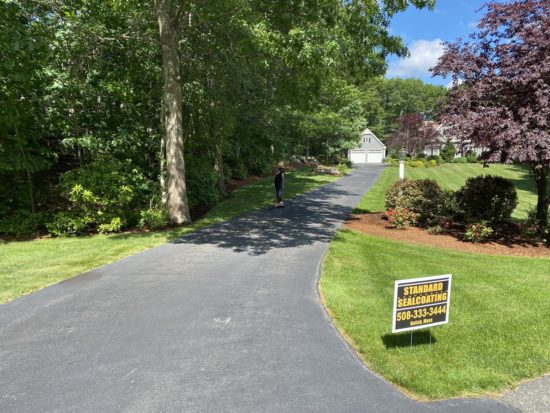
(498, 332)
(26, 266)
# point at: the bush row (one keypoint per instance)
(485, 198)
(110, 195)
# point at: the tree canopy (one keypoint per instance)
(502, 86)
(85, 81)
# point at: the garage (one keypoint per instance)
(374, 156)
(369, 149)
(357, 156)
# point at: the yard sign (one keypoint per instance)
(421, 302)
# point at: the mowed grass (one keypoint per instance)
(498, 332)
(453, 176)
(27, 266)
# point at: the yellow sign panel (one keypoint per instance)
(421, 302)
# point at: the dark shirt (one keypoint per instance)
(279, 178)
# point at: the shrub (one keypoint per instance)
(201, 184)
(238, 169)
(64, 224)
(432, 163)
(99, 192)
(436, 158)
(471, 157)
(531, 230)
(24, 223)
(394, 162)
(478, 232)
(424, 197)
(114, 226)
(400, 217)
(416, 164)
(460, 159)
(448, 152)
(451, 208)
(487, 198)
(436, 229)
(154, 218)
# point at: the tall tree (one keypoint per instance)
(178, 209)
(503, 102)
(413, 135)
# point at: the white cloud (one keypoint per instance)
(423, 55)
(450, 84)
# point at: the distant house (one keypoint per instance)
(443, 137)
(370, 149)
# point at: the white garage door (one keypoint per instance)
(374, 157)
(358, 156)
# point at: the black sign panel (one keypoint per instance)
(421, 302)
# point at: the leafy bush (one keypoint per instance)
(424, 197)
(238, 169)
(416, 164)
(201, 184)
(448, 152)
(64, 224)
(436, 158)
(471, 157)
(460, 159)
(394, 162)
(99, 192)
(24, 223)
(487, 198)
(432, 163)
(400, 217)
(436, 229)
(532, 231)
(154, 218)
(478, 232)
(114, 226)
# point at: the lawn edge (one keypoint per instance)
(352, 347)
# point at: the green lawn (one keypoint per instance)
(453, 176)
(27, 266)
(498, 332)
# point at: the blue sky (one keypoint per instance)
(424, 30)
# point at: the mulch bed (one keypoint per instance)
(375, 224)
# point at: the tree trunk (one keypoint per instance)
(178, 208)
(218, 166)
(162, 171)
(543, 201)
(27, 171)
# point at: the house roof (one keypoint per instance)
(367, 131)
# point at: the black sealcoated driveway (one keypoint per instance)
(227, 319)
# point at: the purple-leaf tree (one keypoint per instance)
(501, 94)
(414, 133)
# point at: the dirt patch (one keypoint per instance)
(374, 224)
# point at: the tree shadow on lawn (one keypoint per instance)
(419, 338)
(303, 221)
(525, 181)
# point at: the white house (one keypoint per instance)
(443, 137)
(370, 149)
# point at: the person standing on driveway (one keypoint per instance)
(279, 186)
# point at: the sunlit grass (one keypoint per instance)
(498, 332)
(453, 176)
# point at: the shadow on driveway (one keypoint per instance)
(304, 220)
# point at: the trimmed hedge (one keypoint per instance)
(487, 198)
(422, 196)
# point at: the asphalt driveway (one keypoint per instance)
(227, 319)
